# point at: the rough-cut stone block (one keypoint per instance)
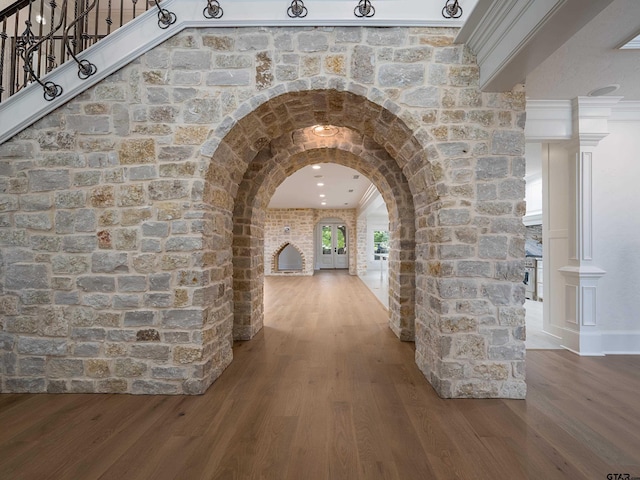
(127, 367)
(42, 346)
(46, 180)
(168, 189)
(25, 385)
(132, 283)
(31, 366)
(139, 318)
(229, 77)
(96, 284)
(88, 123)
(137, 150)
(493, 247)
(184, 244)
(150, 351)
(422, 97)
(186, 355)
(186, 319)
(191, 60)
(109, 262)
(170, 373)
(64, 368)
(19, 277)
(152, 387)
(400, 75)
(489, 168)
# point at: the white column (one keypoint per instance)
(581, 273)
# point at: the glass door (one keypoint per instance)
(334, 249)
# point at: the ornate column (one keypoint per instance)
(581, 274)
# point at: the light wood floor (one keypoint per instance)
(326, 391)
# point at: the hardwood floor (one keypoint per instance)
(326, 391)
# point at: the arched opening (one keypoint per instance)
(288, 259)
(275, 140)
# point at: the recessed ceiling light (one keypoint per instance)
(316, 167)
(351, 190)
(318, 176)
(324, 130)
(322, 195)
(323, 203)
(601, 91)
(41, 20)
(320, 184)
(346, 203)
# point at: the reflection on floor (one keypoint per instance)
(536, 338)
(378, 284)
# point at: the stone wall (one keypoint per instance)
(302, 224)
(132, 219)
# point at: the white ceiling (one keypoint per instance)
(300, 190)
(592, 59)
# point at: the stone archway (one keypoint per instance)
(272, 142)
(434, 298)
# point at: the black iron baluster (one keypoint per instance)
(40, 22)
(51, 89)
(108, 20)
(51, 57)
(85, 67)
(14, 57)
(95, 29)
(3, 45)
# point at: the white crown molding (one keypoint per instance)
(511, 37)
(625, 112)
(548, 120)
(142, 34)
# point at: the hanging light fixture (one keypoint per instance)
(452, 9)
(364, 9)
(297, 9)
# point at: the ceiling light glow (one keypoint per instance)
(320, 184)
(324, 130)
(316, 167)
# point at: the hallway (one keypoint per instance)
(326, 391)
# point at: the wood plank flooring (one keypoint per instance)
(326, 391)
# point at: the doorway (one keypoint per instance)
(333, 251)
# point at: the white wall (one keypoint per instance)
(533, 178)
(616, 207)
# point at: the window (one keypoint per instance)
(380, 243)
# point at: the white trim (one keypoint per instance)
(548, 120)
(533, 218)
(625, 112)
(512, 37)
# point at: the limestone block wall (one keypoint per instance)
(300, 234)
(302, 223)
(132, 219)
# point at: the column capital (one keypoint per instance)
(590, 119)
